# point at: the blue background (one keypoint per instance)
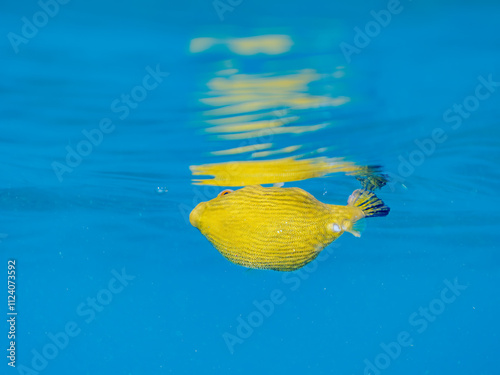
(111, 211)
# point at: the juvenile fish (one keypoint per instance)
(277, 228)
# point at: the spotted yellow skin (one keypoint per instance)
(272, 228)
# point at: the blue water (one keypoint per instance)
(416, 294)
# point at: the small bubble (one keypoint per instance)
(161, 190)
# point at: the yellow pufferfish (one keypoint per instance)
(278, 228)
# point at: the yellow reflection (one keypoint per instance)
(236, 119)
(273, 131)
(243, 149)
(243, 173)
(240, 106)
(267, 44)
(256, 125)
(248, 103)
(201, 44)
(284, 150)
(277, 84)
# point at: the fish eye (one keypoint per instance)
(225, 192)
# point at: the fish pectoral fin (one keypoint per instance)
(359, 226)
(355, 233)
(356, 228)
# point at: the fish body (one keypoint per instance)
(277, 228)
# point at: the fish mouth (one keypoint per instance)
(195, 215)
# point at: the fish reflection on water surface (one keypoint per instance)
(251, 111)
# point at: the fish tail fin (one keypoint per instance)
(369, 203)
